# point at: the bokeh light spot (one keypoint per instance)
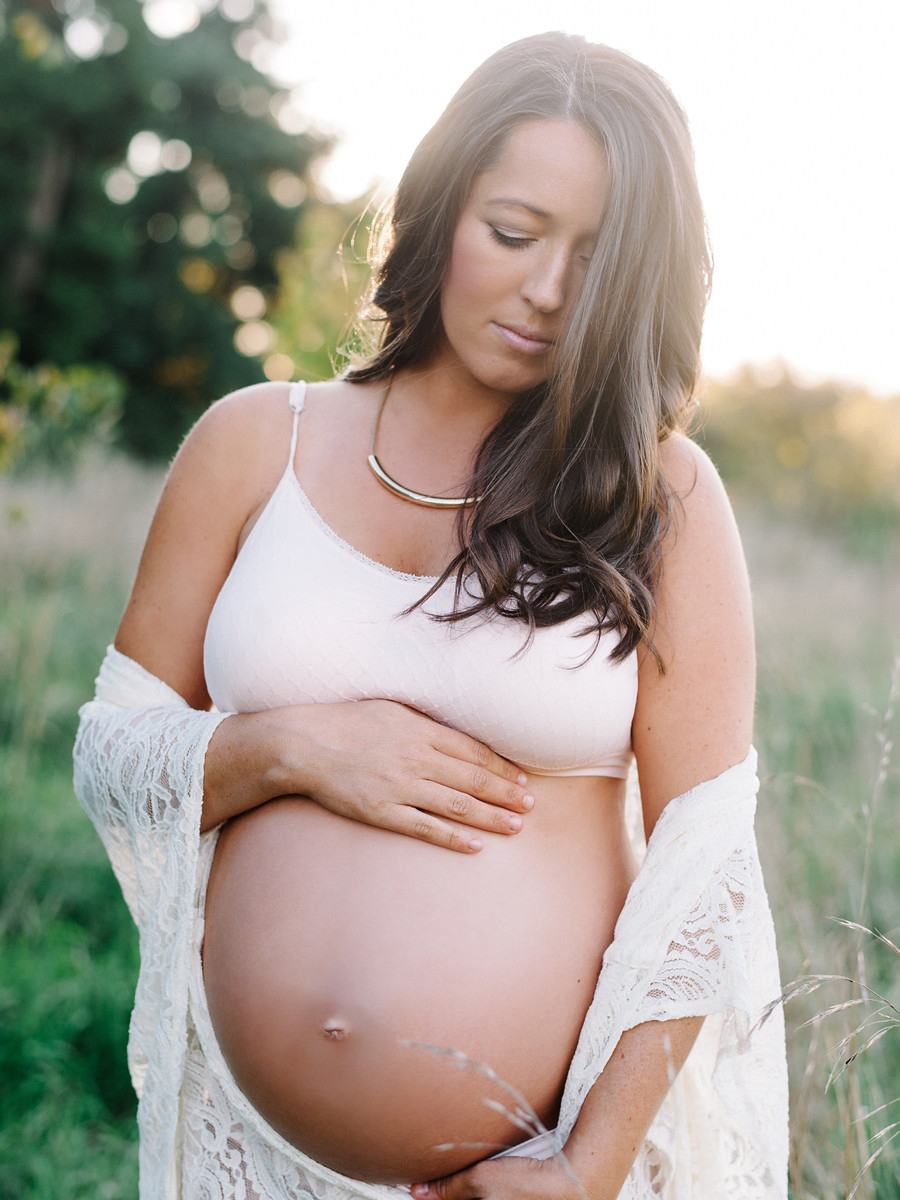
(286, 189)
(255, 100)
(162, 227)
(288, 116)
(33, 35)
(212, 188)
(278, 367)
(248, 303)
(245, 42)
(144, 155)
(242, 256)
(254, 338)
(228, 95)
(237, 10)
(175, 155)
(116, 38)
(228, 230)
(171, 18)
(197, 274)
(196, 229)
(85, 37)
(120, 185)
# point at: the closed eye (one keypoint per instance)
(507, 239)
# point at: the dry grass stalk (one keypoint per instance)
(521, 1114)
(844, 1079)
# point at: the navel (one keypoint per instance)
(335, 1029)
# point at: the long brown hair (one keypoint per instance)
(574, 507)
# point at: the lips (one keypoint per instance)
(523, 340)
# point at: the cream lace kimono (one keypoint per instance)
(694, 938)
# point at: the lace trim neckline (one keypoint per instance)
(334, 536)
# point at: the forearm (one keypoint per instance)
(620, 1107)
(375, 761)
(253, 758)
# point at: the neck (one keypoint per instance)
(451, 395)
(401, 490)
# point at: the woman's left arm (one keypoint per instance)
(693, 720)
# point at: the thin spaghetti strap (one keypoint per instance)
(296, 403)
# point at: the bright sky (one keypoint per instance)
(795, 111)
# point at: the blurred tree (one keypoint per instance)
(147, 184)
(829, 454)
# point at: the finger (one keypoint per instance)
(413, 822)
(461, 1186)
(488, 767)
(480, 781)
(462, 807)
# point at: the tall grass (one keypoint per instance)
(68, 953)
(827, 634)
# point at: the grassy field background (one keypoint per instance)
(828, 635)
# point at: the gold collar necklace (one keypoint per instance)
(398, 489)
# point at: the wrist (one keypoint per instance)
(588, 1172)
(295, 746)
(247, 763)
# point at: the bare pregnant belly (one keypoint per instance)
(336, 954)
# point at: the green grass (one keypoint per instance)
(827, 635)
(68, 953)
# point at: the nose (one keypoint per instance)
(546, 285)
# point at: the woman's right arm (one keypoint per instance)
(373, 761)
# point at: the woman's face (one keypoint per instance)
(520, 250)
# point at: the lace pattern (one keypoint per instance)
(694, 938)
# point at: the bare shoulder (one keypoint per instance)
(226, 468)
(702, 558)
(240, 434)
(693, 479)
(701, 548)
(694, 715)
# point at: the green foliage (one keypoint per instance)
(48, 414)
(829, 454)
(129, 252)
(322, 280)
(68, 949)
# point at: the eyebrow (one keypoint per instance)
(512, 203)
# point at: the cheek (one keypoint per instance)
(473, 274)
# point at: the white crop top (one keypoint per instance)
(304, 618)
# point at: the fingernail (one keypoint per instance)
(522, 779)
(528, 801)
(422, 1190)
(515, 823)
(475, 844)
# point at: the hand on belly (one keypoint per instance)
(334, 951)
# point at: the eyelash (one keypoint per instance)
(505, 239)
(519, 243)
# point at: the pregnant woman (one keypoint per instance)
(359, 753)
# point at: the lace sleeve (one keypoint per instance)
(138, 759)
(695, 938)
